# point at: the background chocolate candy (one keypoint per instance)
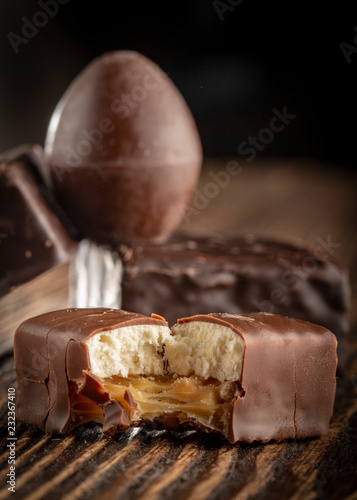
(33, 236)
(123, 150)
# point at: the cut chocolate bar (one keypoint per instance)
(287, 379)
(248, 377)
(33, 237)
(240, 274)
(52, 357)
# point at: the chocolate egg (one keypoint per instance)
(123, 150)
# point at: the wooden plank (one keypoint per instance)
(47, 292)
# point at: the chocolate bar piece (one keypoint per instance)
(248, 377)
(51, 360)
(33, 237)
(286, 371)
(243, 274)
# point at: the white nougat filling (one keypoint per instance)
(206, 350)
(130, 350)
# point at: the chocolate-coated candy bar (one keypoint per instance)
(52, 359)
(286, 372)
(33, 238)
(248, 377)
(187, 276)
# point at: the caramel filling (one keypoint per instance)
(85, 410)
(207, 402)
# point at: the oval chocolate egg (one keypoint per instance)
(123, 150)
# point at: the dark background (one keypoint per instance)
(232, 72)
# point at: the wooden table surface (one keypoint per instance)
(297, 198)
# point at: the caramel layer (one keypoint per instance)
(206, 401)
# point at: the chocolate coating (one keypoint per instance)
(115, 417)
(123, 150)
(92, 389)
(288, 377)
(244, 274)
(33, 237)
(286, 389)
(57, 339)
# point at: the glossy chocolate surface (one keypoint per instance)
(286, 390)
(123, 150)
(51, 359)
(33, 237)
(288, 378)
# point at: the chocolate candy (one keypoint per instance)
(33, 238)
(243, 274)
(123, 150)
(51, 359)
(248, 377)
(287, 381)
